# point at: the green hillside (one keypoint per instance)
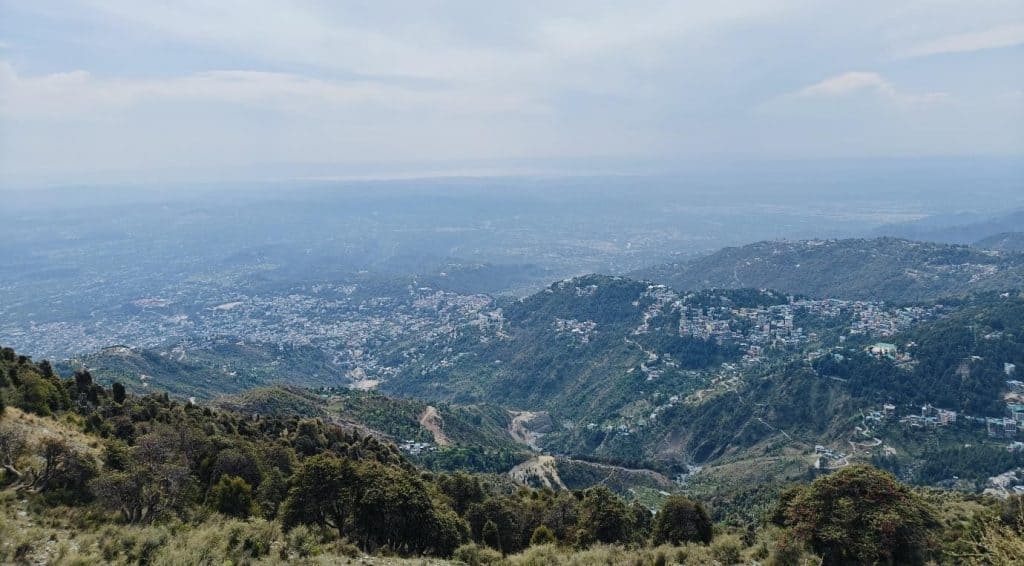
(623, 370)
(208, 369)
(884, 269)
(97, 475)
(580, 346)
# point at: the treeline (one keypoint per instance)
(976, 463)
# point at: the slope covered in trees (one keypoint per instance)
(624, 391)
(118, 478)
(886, 269)
(579, 347)
(208, 369)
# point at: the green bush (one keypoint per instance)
(474, 555)
(232, 496)
(727, 549)
(542, 535)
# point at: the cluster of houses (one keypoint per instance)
(1006, 427)
(414, 448)
(828, 459)
(581, 329)
(930, 417)
(774, 326)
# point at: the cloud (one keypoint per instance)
(107, 83)
(849, 82)
(994, 38)
(854, 82)
(78, 94)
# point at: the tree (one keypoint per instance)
(448, 531)
(272, 492)
(13, 445)
(604, 517)
(491, 536)
(38, 395)
(232, 495)
(861, 515)
(680, 520)
(463, 489)
(392, 507)
(83, 380)
(236, 462)
(156, 479)
(562, 514)
(64, 469)
(141, 494)
(320, 493)
(509, 517)
(119, 392)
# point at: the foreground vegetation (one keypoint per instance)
(92, 475)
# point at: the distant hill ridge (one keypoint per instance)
(1005, 242)
(960, 229)
(889, 269)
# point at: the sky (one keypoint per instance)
(137, 90)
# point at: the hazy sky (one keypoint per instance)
(147, 90)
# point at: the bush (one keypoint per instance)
(303, 542)
(232, 496)
(542, 535)
(474, 555)
(727, 549)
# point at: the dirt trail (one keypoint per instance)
(543, 469)
(432, 421)
(517, 428)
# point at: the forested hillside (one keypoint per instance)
(637, 375)
(211, 368)
(580, 346)
(91, 474)
(885, 269)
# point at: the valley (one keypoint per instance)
(611, 371)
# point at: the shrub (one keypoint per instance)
(726, 549)
(232, 496)
(303, 541)
(474, 555)
(542, 535)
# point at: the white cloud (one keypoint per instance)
(548, 42)
(78, 94)
(853, 82)
(849, 82)
(154, 83)
(994, 38)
